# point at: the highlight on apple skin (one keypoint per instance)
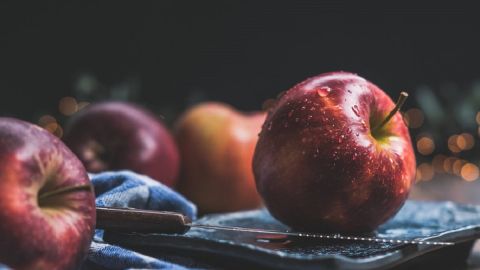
(216, 144)
(117, 135)
(325, 162)
(47, 207)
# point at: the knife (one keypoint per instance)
(151, 221)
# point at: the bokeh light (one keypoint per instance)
(46, 119)
(448, 164)
(425, 146)
(68, 106)
(467, 141)
(457, 166)
(414, 118)
(438, 163)
(425, 172)
(470, 172)
(452, 144)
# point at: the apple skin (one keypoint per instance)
(216, 145)
(319, 167)
(118, 135)
(53, 232)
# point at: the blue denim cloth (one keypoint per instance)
(127, 189)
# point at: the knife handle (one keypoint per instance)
(139, 220)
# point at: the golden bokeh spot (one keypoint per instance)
(461, 142)
(448, 164)
(425, 146)
(414, 118)
(51, 127)
(46, 119)
(58, 132)
(467, 141)
(438, 161)
(426, 171)
(452, 144)
(68, 106)
(457, 166)
(418, 175)
(470, 172)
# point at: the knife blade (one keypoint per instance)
(150, 221)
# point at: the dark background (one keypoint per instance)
(243, 52)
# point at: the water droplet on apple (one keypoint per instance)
(309, 117)
(269, 126)
(324, 91)
(303, 108)
(355, 110)
(290, 113)
(349, 91)
(340, 139)
(363, 124)
(357, 134)
(297, 119)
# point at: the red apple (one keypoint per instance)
(47, 206)
(216, 145)
(117, 135)
(330, 159)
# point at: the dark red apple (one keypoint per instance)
(216, 144)
(47, 205)
(118, 135)
(330, 158)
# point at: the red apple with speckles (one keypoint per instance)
(216, 144)
(334, 154)
(118, 135)
(47, 206)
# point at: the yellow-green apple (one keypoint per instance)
(47, 206)
(117, 135)
(216, 145)
(334, 155)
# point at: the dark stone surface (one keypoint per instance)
(436, 221)
(416, 220)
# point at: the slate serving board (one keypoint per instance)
(435, 221)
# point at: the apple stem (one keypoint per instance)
(86, 187)
(401, 99)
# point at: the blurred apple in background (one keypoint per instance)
(47, 205)
(330, 158)
(117, 135)
(216, 145)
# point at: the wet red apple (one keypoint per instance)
(47, 204)
(334, 154)
(122, 136)
(216, 145)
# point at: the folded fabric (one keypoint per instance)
(128, 189)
